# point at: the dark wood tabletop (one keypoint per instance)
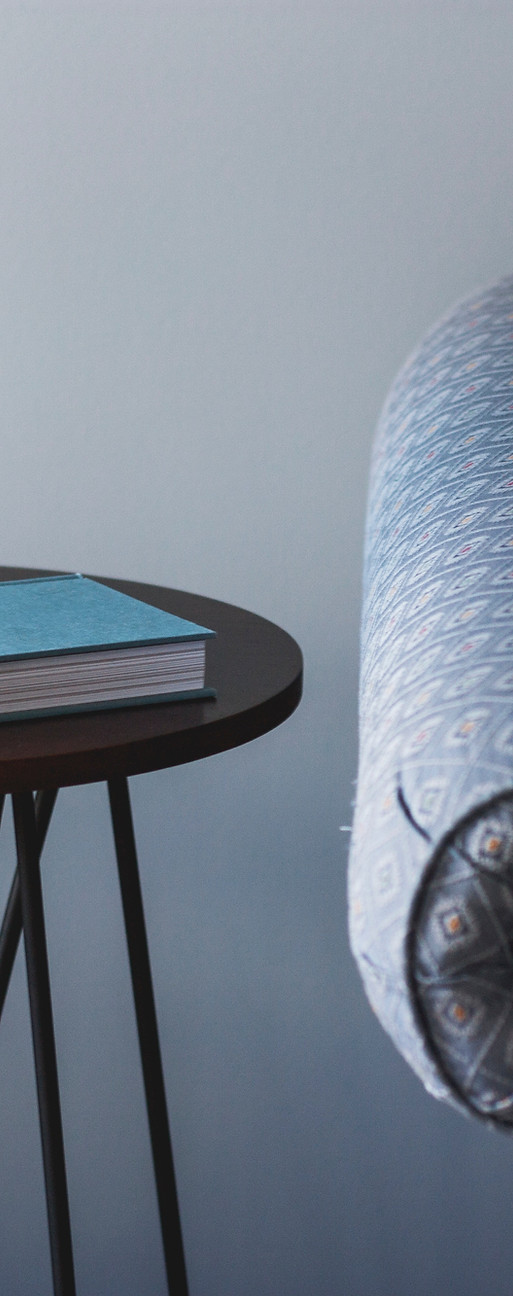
(255, 667)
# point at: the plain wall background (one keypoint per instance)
(223, 226)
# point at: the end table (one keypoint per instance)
(256, 669)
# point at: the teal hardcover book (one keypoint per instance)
(69, 643)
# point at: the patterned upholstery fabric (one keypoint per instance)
(431, 861)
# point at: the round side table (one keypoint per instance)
(256, 669)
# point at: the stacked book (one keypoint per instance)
(69, 643)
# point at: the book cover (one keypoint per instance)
(72, 613)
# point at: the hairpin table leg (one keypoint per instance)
(44, 1043)
(148, 1036)
(10, 930)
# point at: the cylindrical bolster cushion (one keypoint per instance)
(431, 861)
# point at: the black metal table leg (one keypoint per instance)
(44, 1044)
(148, 1036)
(10, 930)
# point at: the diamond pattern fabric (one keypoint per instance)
(431, 859)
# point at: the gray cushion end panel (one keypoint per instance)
(436, 702)
(461, 959)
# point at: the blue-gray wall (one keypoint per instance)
(223, 225)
